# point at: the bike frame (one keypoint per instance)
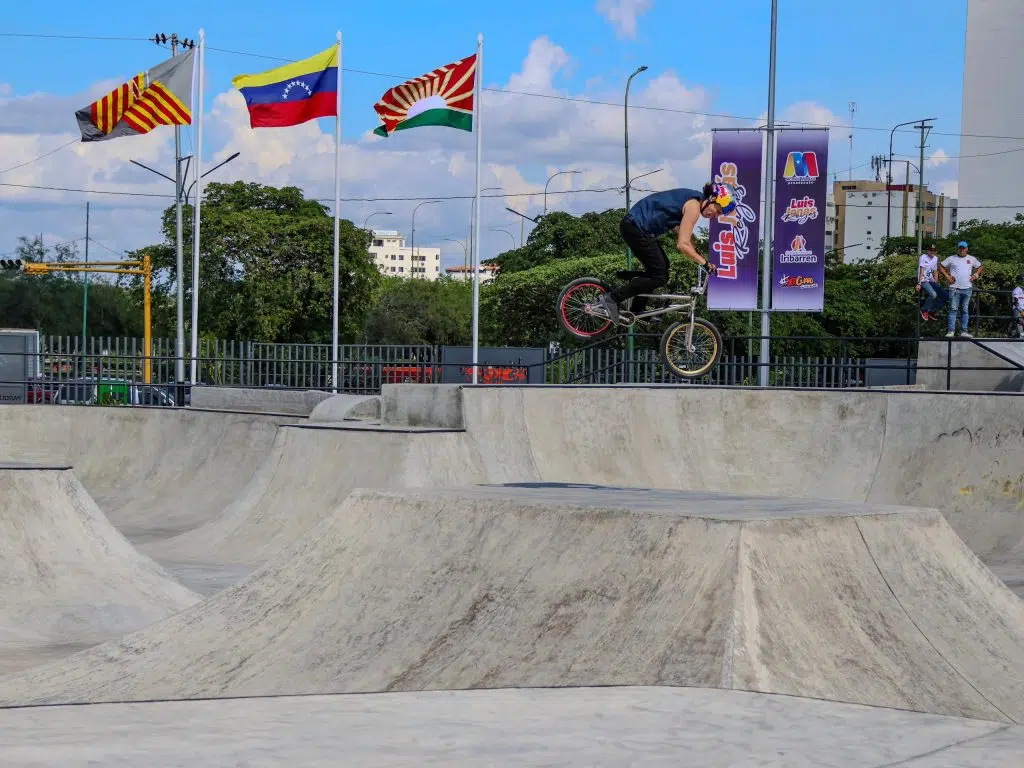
(681, 303)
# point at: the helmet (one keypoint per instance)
(725, 196)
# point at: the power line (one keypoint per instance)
(40, 157)
(69, 37)
(600, 190)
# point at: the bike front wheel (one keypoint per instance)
(574, 308)
(696, 359)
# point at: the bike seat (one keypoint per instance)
(629, 274)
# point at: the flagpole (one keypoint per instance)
(337, 206)
(477, 127)
(195, 213)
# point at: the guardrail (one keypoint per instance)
(111, 371)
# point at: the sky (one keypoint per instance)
(554, 74)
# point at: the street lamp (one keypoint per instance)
(472, 212)
(888, 173)
(179, 198)
(412, 246)
(511, 236)
(465, 252)
(629, 251)
(556, 173)
(375, 213)
(522, 217)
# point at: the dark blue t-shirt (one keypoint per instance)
(656, 214)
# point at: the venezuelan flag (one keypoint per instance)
(294, 93)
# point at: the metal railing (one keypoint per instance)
(109, 370)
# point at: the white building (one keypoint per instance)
(464, 274)
(394, 258)
(860, 216)
(993, 91)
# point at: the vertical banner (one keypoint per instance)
(801, 194)
(736, 160)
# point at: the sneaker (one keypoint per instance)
(949, 335)
(925, 316)
(610, 306)
(965, 335)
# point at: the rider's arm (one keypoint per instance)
(684, 241)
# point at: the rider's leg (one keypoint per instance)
(648, 251)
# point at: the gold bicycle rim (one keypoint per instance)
(698, 330)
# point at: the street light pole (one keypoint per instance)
(375, 213)
(888, 174)
(556, 173)
(412, 245)
(629, 252)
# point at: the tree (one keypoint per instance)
(265, 267)
(413, 311)
(560, 235)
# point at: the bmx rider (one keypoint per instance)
(668, 211)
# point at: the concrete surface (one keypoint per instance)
(154, 472)
(339, 408)
(545, 586)
(68, 579)
(1005, 367)
(307, 474)
(296, 402)
(415, 405)
(521, 728)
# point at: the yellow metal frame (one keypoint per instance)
(143, 267)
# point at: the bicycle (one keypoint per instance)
(575, 308)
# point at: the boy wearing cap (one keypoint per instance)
(958, 269)
(927, 281)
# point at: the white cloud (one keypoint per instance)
(623, 14)
(937, 158)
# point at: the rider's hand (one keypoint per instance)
(710, 267)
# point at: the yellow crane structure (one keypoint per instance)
(142, 267)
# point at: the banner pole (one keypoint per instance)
(766, 266)
(477, 126)
(194, 350)
(337, 224)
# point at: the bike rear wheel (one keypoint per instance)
(703, 353)
(572, 308)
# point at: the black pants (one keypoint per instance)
(648, 252)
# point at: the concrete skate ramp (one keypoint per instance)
(153, 471)
(67, 577)
(311, 470)
(539, 586)
(982, 365)
(960, 453)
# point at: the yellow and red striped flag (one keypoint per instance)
(159, 96)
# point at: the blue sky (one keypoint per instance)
(898, 61)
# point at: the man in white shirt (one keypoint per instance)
(1018, 305)
(959, 272)
(927, 281)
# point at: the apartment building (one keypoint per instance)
(863, 209)
(393, 257)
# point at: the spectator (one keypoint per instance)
(927, 281)
(1018, 305)
(958, 270)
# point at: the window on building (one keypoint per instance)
(378, 243)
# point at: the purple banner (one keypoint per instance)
(801, 195)
(736, 159)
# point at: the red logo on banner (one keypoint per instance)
(801, 281)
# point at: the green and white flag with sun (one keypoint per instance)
(443, 98)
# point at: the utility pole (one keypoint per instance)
(924, 127)
(853, 109)
(629, 252)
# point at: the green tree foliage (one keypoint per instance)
(410, 311)
(52, 303)
(560, 235)
(265, 267)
